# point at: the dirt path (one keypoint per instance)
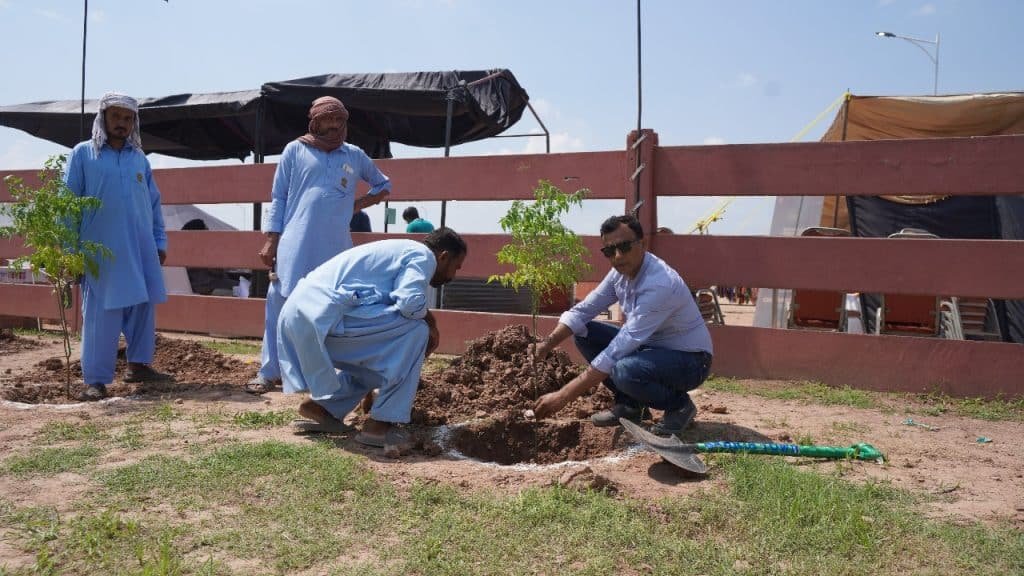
(968, 479)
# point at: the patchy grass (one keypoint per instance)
(980, 408)
(277, 508)
(237, 347)
(68, 432)
(817, 393)
(130, 437)
(269, 419)
(810, 392)
(50, 461)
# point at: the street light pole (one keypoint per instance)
(919, 43)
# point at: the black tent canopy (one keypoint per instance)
(426, 109)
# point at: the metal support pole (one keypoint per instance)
(85, 30)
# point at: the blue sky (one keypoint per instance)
(714, 72)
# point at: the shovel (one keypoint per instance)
(685, 456)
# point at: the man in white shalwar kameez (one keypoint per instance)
(361, 321)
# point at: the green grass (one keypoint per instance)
(50, 461)
(276, 508)
(68, 431)
(980, 408)
(239, 347)
(810, 392)
(263, 419)
(817, 393)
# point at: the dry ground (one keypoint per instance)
(970, 480)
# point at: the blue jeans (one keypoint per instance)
(653, 377)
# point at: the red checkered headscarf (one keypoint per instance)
(322, 108)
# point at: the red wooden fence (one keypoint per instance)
(959, 166)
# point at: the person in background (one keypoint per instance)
(207, 281)
(365, 313)
(360, 222)
(122, 296)
(661, 352)
(414, 224)
(313, 198)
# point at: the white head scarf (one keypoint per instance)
(99, 128)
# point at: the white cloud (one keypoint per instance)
(746, 80)
(98, 16)
(5, 3)
(714, 140)
(49, 14)
(925, 10)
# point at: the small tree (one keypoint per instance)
(47, 220)
(546, 255)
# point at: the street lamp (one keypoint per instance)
(919, 42)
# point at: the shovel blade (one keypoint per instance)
(672, 449)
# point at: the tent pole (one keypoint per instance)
(85, 29)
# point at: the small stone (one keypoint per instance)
(179, 401)
(1019, 507)
(529, 415)
(481, 414)
(267, 402)
(719, 409)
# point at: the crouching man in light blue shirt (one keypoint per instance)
(360, 321)
(662, 351)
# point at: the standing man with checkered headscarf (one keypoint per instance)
(121, 297)
(313, 198)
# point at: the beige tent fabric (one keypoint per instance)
(898, 117)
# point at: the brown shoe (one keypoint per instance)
(260, 385)
(143, 373)
(93, 393)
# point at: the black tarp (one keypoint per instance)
(964, 217)
(408, 108)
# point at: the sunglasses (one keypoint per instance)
(623, 247)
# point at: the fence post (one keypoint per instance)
(639, 190)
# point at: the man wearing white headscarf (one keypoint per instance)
(313, 198)
(121, 297)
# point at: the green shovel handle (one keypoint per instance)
(857, 451)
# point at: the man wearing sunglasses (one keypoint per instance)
(662, 351)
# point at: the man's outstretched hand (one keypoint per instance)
(549, 404)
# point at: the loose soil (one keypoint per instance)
(482, 420)
(192, 365)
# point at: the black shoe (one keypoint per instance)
(143, 373)
(608, 418)
(93, 393)
(675, 421)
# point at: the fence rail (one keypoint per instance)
(959, 166)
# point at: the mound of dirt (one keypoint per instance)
(11, 343)
(192, 365)
(496, 378)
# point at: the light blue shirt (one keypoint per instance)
(311, 205)
(128, 222)
(368, 289)
(659, 309)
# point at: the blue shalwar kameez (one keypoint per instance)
(123, 295)
(362, 313)
(312, 201)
